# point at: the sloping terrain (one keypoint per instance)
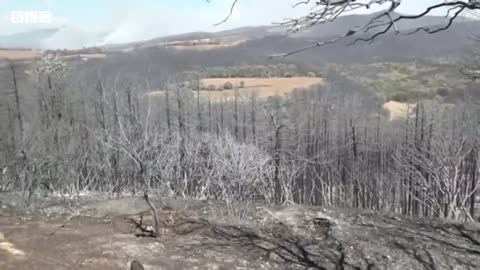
(100, 234)
(390, 45)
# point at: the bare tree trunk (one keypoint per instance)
(473, 179)
(101, 95)
(253, 117)
(199, 111)
(356, 188)
(276, 157)
(235, 113)
(244, 124)
(17, 103)
(11, 123)
(276, 151)
(116, 155)
(209, 114)
(167, 111)
(307, 181)
(405, 178)
(55, 113)
(221, 115)
(181, 150)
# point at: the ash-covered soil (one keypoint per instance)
(100, 233)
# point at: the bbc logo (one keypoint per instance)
(30, 17)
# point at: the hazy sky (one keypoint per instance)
(129, 20)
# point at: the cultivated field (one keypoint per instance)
(24, 55)
(18, 55)
(263, 87)
(203, 45)
(193, 44)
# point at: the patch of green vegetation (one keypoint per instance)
(399, 84)
(407, 82)
(251, 71)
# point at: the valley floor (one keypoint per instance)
(100, 234)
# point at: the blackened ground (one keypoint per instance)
(98, 233)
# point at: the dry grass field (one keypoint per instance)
(26, 55)
(18, 55)
(85, 56)
(398, 110)
(207, 46)
(263, 87)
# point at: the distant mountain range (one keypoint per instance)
(254, 44)
(64, 37)
(73, 38)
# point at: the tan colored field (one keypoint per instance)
(205, 47)
(86, 56)
(199, 45)
(17, 55)
(264, 87)
(398, 110)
